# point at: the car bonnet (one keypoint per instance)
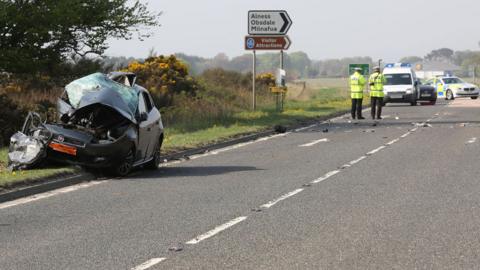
(97, 88)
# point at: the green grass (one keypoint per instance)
(323, 102)
(8, 178)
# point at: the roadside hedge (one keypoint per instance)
(11, 119)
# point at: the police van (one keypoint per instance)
(401, 84)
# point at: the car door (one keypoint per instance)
(155, 127)
(144, 129)
(153, 123)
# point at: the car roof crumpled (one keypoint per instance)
(98, 88)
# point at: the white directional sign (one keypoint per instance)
(268, 22)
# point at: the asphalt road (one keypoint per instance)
(403, 194)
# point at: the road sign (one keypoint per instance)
(267, 43)
(268, 22)
(365, 69)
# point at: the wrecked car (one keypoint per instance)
(106, 121)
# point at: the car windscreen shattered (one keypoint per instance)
(98, 88)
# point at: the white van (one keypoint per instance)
(401, 86)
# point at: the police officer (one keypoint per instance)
(376, 82)
(357, 84)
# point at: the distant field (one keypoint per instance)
(303, 90)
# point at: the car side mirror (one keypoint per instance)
(143, 117)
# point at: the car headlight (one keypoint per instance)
(409, 90)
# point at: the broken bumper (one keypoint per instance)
(100, 155)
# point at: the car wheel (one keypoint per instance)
(414, 103)
(155, 162)
(125, 167)
(473, 97)
(449, 95)
(433, 102)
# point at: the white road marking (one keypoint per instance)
(49, 194)
(405, 135)
(345, 166)
(314, 142)
(281, 198)
(305, 128)
(325, 177)
(149, 263)
(472, 140)
(414, 129)
(376, 150)
(393, 141)
(353, 162)
(215, 231)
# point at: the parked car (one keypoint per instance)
(426, 94)
(106, 121)
(450, 87)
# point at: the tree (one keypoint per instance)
(411, 59)
(443, 54)
(38, 35)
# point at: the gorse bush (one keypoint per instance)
(165, 77)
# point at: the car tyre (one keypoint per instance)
(155, 162)
(414, 103)
(473, 97)
(449, 95)
(125, 167)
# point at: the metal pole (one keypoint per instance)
(254, 100)
(474, 73)
(281, 59)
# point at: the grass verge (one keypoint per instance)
(7, 178)
(322, 102)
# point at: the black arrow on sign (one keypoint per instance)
(287, 22)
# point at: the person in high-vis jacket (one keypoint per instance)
(357, 84)
(376, 82)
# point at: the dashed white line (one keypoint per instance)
(215, 231)
(49, 194)
(314, 142)
(405, 135)
(149, 263)
(281, 198)
(472, 140)
(353, 162)
(376, 150)
(325, 177)
(393, 141)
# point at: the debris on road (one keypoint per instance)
(280, 129)
(177, 248)
(421, 124)
(325, 130)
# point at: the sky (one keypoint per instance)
(382, 29)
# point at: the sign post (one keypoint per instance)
(268, 22)
(267, 30)
(254, 68)
(365, 69)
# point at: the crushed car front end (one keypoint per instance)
(82, 148)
